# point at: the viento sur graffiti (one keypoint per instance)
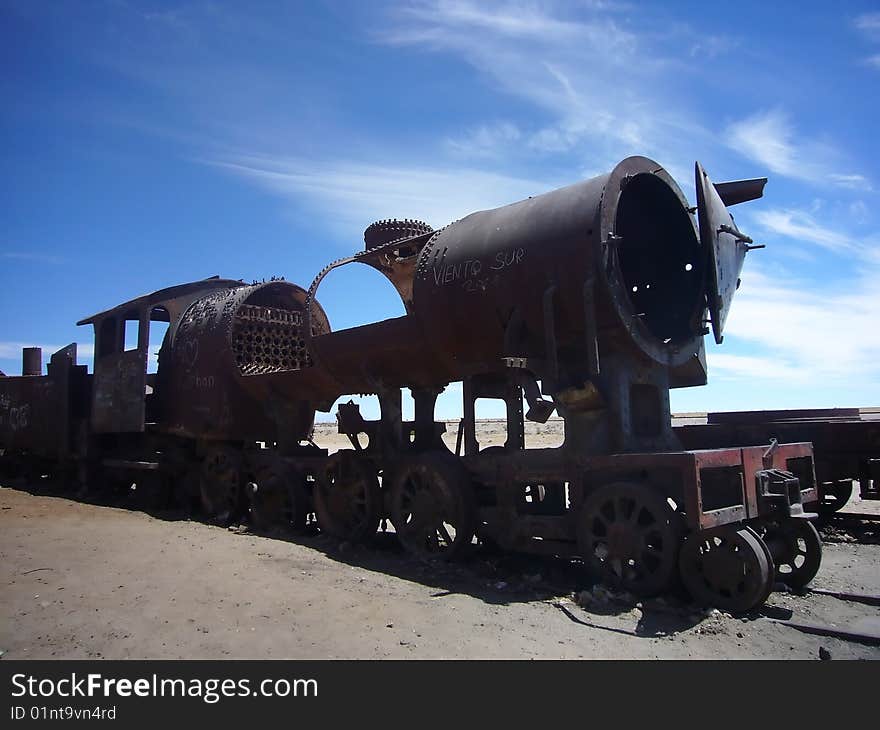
(468, 272)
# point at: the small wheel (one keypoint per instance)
(432, 507)
(834, 495)
(348, 503)
(728, 568)
(797, 551)
(278, 498)
(768, 555)
(220, 483)
(630, 536)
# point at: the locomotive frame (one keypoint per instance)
(226, 421)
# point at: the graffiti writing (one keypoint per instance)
(16, 417)
(200, 382)
(468, 273)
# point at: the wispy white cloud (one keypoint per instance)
(598, 79)
(353, 194)
(808, 331)
(37, 257)
(851, 181)
(713, 45)
(769, 138)
(858, 212)
(754, 367)
(869, 24)
(487, 140)
(430, 21)
(802, 226)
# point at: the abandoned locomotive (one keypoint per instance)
(592, 300)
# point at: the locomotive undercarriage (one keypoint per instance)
(727, 523)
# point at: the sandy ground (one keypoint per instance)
(82, 580)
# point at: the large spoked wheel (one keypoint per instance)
(727, 568)
(278, 498)
(797, 551)
(348, 503)
(629, 535)
(432, 507)
(220, 487)
(834, 495)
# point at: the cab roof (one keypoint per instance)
(164, 295)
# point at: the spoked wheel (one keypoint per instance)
(278, 498)
(220, 486)
(834, 495)
(797, 551)
(727, 568)
(629, 535)
(348, 503)
(432, 507)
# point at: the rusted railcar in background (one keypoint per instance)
(846, 443)
(592, 300)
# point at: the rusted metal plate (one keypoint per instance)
(805, 414)
(27, 413)
(120, 392)
(238, 365)
(32, 361)
(38, 413)
(726, 248)
(735, 192)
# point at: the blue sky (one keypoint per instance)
(144, 144)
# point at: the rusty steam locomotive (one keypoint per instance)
(592, 300)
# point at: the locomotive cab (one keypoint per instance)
(125, 397)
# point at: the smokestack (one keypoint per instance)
(31, 361)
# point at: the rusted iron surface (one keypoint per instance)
(219, 374)
(41, 414)
(811, 415)
(726, 248)
(31, 361)
(120, 374)
(119, 398)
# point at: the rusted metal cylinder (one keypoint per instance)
(31, 361)
(232, 353)
(617, 255)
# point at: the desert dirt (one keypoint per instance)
(85, 580)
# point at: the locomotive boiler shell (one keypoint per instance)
(629, 232)
(222, 375)
(613, 263)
